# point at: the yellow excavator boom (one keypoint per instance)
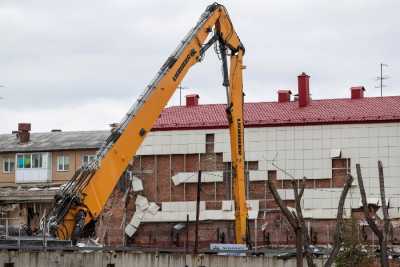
(82, 199)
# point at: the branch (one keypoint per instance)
(338, 239)
(370, 221)
(298, 196)
(284, 171)
(289, 216)
(386, 223)
(302, 187)
(383, 199)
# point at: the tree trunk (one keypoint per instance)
(370, 221)
(339, 222)
(384, 256)
(293, 221)
(306, 238)
(299, 247)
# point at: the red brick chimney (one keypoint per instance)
(284, 96)
(357, 92)
(23, 132)
(304, 89)
(192, 100)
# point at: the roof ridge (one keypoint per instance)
(266, 102)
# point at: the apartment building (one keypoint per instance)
(45, 158)
(34, 165)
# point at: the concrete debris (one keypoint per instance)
(264, 226)
(130, 230)
(142, 207)
(178, 227)
(89, 243)
(54, 188)
(136, 219)
(80, 245)
(141, 203)
(137, 184)
(34, 189)
(153, 208)
(12, 195)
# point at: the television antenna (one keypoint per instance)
(180, 87)
(381, 78)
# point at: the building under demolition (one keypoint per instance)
(154, 204)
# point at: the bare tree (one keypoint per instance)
(338, 238)
(386, 221)
(292, 221)
(295, 220)
(298, 196)
(382, 236)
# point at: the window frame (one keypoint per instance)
(40, 157)
(30, 157)
(8, 161)
(92, 156)
(27, 161)
(210, 144)
(63, 157)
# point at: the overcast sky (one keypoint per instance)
(79, 65)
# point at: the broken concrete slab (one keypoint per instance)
(141, 203)
(153, 208)
(130, 230)
(137, 219)
(137, 184)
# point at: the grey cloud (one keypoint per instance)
(57, 55)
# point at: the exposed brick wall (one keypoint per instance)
(156, 172)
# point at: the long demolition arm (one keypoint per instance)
(81, 201)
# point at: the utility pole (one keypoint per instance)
(381, 78)
(196, 240)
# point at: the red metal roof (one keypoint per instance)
(326, 111)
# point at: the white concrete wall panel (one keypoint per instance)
(192, 177)
(303, 151)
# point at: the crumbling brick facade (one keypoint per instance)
(270, 228)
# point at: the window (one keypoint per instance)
(8, 165)
(20, 161)
(210, 143)
(37, 160)
(62, 163)
(86, 159)
(28, 160)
